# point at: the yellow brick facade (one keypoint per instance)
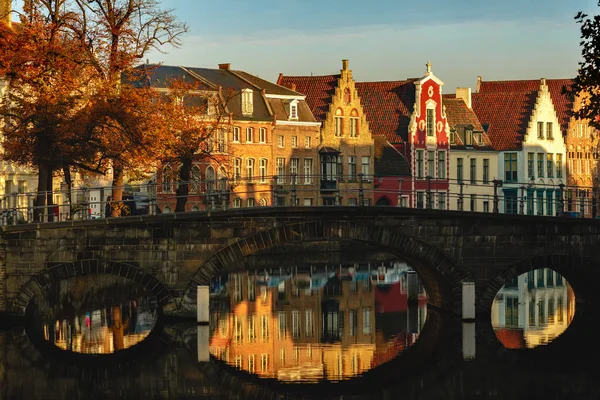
(357, 143)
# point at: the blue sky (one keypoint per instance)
(383, 39)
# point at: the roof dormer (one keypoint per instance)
(292, 110)
(247, 102)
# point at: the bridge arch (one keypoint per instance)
(440, 276)
(38, 282)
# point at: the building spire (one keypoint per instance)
(428, 66)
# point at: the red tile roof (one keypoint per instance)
(507, 114)
(319, 91)
(388, 107)
(460, 116)
(561, 103)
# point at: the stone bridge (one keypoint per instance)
(171, 254)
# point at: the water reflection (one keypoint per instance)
(316, 324)
(95, 314)
(105, 330)
(533, 309)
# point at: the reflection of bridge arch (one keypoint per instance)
(577, 271)
(440, 277)
(42, 280)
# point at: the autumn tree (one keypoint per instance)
(587, 82)
(116, 35)
(195, 129)
(44, 75)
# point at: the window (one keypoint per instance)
(262, 170)
(510, 167)
(251, 363)
(237, 292)
(250, 169)
(264, 362)
(540, 163)
(530, 161)
(442, 164)
(236, 134)
(352, 168)
(238, 334)
(251, 327)
(468, 137)
(420, 164)
(441, 201)
(510, 201)
(307, 142)
(452, 137)
(431, 163)
(262, 135)
(354, 124)
(237, 169)
(280, 170)
(340, 168)
(167, 181)
(549, 133)
(309, 319)
(430, 122)
(549, 207)
(540, 130)
(294, 162)
(282, 356)
(251, 291)
(221, 141)
(473, 201)
(195, 178)
(473, 171)
(550, 165)
(293, 110)
(280, 142)
(420, 196)
(486, 170)
(366, 321)
(250, 202)
(486, 206)
(295, 324)
(353, 322)
(459, 169)
(511, 311)
(559, 166)
(339, 123)
(295, 142)
(247, 107)
(237, 362)
(347, 96)
(365, 167)
(210, 179)
(249, 135)
(264, 328)
(540, 202)
(307, 202)
(308, 171)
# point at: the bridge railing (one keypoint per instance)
(493, 195)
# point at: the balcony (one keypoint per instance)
(328, 185)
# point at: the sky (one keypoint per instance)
(383, 39)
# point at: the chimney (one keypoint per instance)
(293, 86)
(543, 81)
(479, 80)
(465, 94)
(344, 65)
(226, 66)
(280, 78)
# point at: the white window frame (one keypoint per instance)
(308, 171)
(262, 169)
(262, 135)
(235, 137)
(247, 102)
(250, 134)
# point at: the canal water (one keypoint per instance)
(354, 331)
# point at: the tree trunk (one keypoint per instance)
(52, 211)
(69, 183)
(183, 189)
(117, 191)
(39, 204)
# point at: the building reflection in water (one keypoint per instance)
(105, 330)
(320, 324)
(533, 309)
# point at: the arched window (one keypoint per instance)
(339, 122)
(210, 179)
(167, 179)
(347, 96)
(354, 123)
(250, 202)
(263, 202)
(195, 208)
(195, 179)
(222, 178)
(167, 210)
(237, 202)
